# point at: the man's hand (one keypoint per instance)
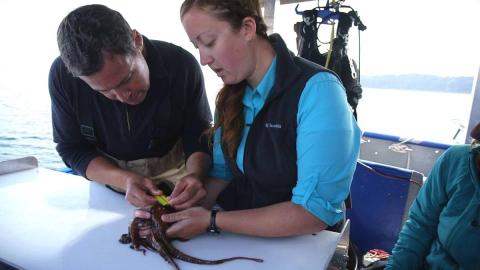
(188, 192)
(187, 223)
(140, 190)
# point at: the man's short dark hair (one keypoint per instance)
(88, 32)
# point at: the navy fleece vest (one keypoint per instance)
(270, 158)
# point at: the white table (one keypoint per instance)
(52, 220)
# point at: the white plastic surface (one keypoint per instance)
(52, 220)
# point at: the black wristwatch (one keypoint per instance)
(212, 228)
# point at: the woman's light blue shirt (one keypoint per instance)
(328, 141)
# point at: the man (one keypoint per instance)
(124, 107)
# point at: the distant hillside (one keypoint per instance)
(419, 82)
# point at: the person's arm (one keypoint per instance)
(213, 186)
(277, 220)
(328, 143)
(138, 189)
(197, 117)
(189, 190)
(72, 147)
(420, 229)
(218, 177)
(220, 174)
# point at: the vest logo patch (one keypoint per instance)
(270, 125)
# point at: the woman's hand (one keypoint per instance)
(187, 223)
(145, 229)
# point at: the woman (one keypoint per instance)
(443, 227)
(285, 142)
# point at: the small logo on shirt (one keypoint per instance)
(88, 133)
(270, 125)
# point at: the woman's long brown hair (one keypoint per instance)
(229, 106)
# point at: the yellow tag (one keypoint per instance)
(163, 200)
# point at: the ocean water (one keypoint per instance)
(411, 114)
(25, 119)
(25, 127)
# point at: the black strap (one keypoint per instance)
(212, 228)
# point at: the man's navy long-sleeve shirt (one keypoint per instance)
(176, 107)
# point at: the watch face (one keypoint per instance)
(213, 230)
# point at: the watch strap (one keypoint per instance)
(212, 228)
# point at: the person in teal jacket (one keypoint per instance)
(443, 227)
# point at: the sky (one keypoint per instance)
(435, 37)
(402, 37)
(425, 37)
